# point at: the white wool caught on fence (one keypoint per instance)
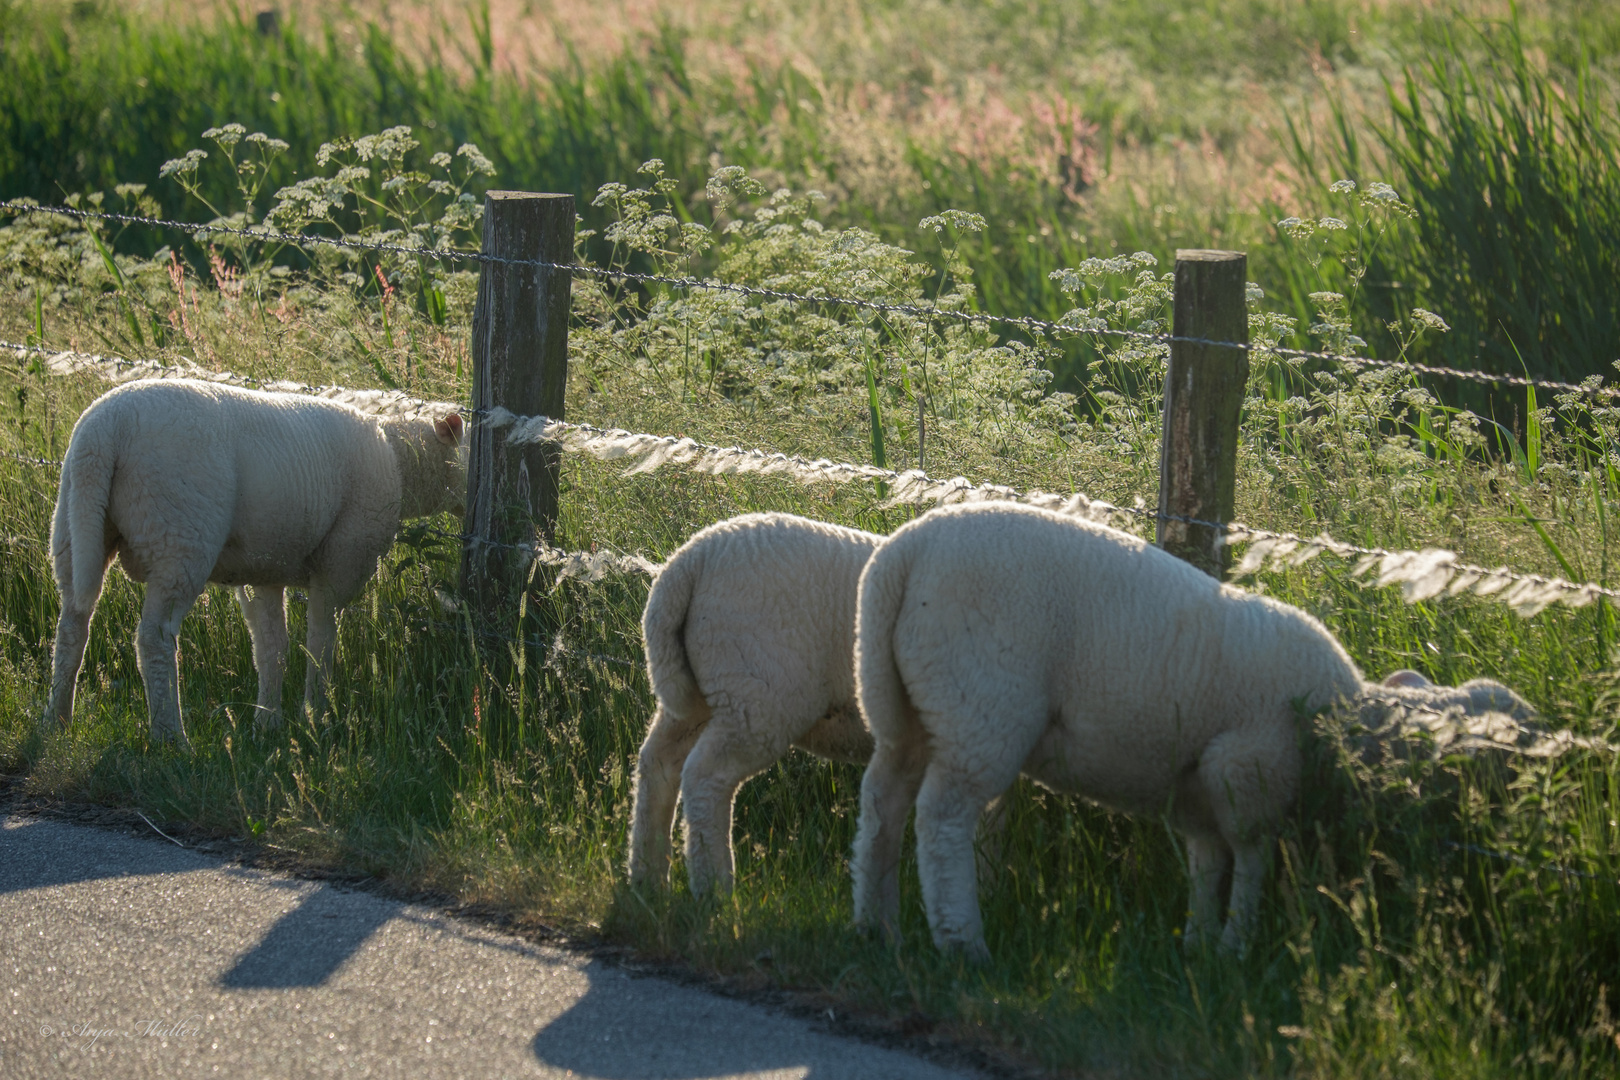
(1454, 731)
(650, 452)
(1421, 574)
(117, 370)
(592, 565)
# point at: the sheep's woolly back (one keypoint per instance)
(751, 603)
(1119, 637)
(189, 458)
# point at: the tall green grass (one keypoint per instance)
(1510, 161)
(104, 96)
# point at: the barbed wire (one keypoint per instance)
(26, 460)
(556, 647)
(1023, 322)
(1422, 575)
(1508, 856)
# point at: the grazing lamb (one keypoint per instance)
(994, 639)
(189, 482)
(750, 637)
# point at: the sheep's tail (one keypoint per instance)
(663, 629)
(882, 695)
(79, 529)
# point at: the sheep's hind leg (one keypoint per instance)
(73, 624)
(730, 750)
(888, 791)
(657, 786)
(965, 772)
(162, 611)
(265, 611)
(949, 806)
(72, 634)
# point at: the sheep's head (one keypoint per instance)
(451, 432)
(432, 447)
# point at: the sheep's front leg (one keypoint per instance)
(162, 611)
(320, 643)
(657, 786)
(1208, 860)
(1248, 877)
(1249, 778)
(888, 791)
(730, 750)
(264, 608)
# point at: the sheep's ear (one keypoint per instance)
(1407, 677)
(449, 429)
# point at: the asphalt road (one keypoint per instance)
(131, 957)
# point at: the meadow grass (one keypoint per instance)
(1423, 917)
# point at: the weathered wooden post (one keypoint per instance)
(520, 362)
(1203, 399)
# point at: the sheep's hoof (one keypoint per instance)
(1234, 944)
(878, 930)
(976, 953)
(175, 737)
(649, 878)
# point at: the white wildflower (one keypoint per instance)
(1331, 223)
(476, 161)
(1428, 320)
(266, 144)
(1339, 187)
(227, 136)
(955, 220)
(187, 164)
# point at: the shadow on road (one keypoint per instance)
(625, 1029)
(308, 944)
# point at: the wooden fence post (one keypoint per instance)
(519, 362)
(1203, 398)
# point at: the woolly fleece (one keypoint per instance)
(188, 482)
(995, 639)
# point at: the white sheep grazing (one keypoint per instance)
(995, 639)
(188, 482)
(750, 635)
